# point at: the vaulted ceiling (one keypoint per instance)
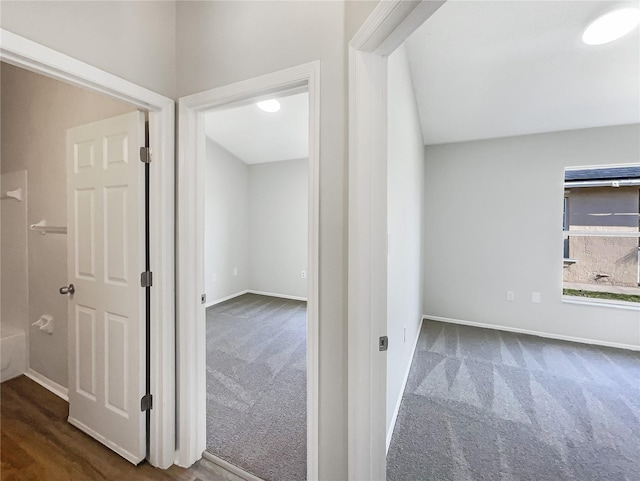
(487, 69)
(481, 69)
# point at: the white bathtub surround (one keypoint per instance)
(13, 352)
(14, 300)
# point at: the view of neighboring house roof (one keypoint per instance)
(608, 173)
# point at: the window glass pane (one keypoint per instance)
(599, 205)
(607, 266)
(603, 209)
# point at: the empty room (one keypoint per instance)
(513, 290)
(255, 260)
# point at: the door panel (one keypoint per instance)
(84, 210)
(116, 235)
(105, 184)
(86, 350)
(116, 378)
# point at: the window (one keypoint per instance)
(601, 226)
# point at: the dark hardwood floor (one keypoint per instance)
(39, 444)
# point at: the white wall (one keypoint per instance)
(135, 40)
(36, 113)
(255, 222)
(278, 226)
(224, 42)
(226, 223)
(405, 211)
(494, 223)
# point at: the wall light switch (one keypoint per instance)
(215, 277)
(536, 298)
(235, 271)
(510, 296)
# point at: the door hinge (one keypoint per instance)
(145, 155)
(146, 403)
(383, 343)
(203, 298)
(146, 279)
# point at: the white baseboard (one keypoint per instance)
(404, 385)
(251, 291)
(218, 301)
(272, 294)
(45, 382)
(547, 335)
(230, 467)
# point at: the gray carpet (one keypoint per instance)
(482, 404)
(256, 385)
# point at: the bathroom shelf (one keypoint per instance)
(13, 194)
(44, 229)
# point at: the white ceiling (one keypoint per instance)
(487, 69)
(257, 137)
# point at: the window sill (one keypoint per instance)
(586, 301)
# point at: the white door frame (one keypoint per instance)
(386, 28)
(190, 279)
(24, 53)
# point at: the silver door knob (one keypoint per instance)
(67, 290)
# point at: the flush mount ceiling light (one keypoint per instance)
(270, 106)
(611, 26)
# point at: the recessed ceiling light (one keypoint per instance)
(270, 106)
(611, 26)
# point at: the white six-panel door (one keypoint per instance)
(105, 189)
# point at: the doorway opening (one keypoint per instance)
(255, 271)
(65, 94)
(250, 280)
(73, 245)
(463, 330)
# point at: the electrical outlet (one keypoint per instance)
(303, 274)
(511, 297)
(235, 271)
(536, 297)
(215, 277)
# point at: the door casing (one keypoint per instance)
(387, 27)
(24, 53)
(191, 346)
